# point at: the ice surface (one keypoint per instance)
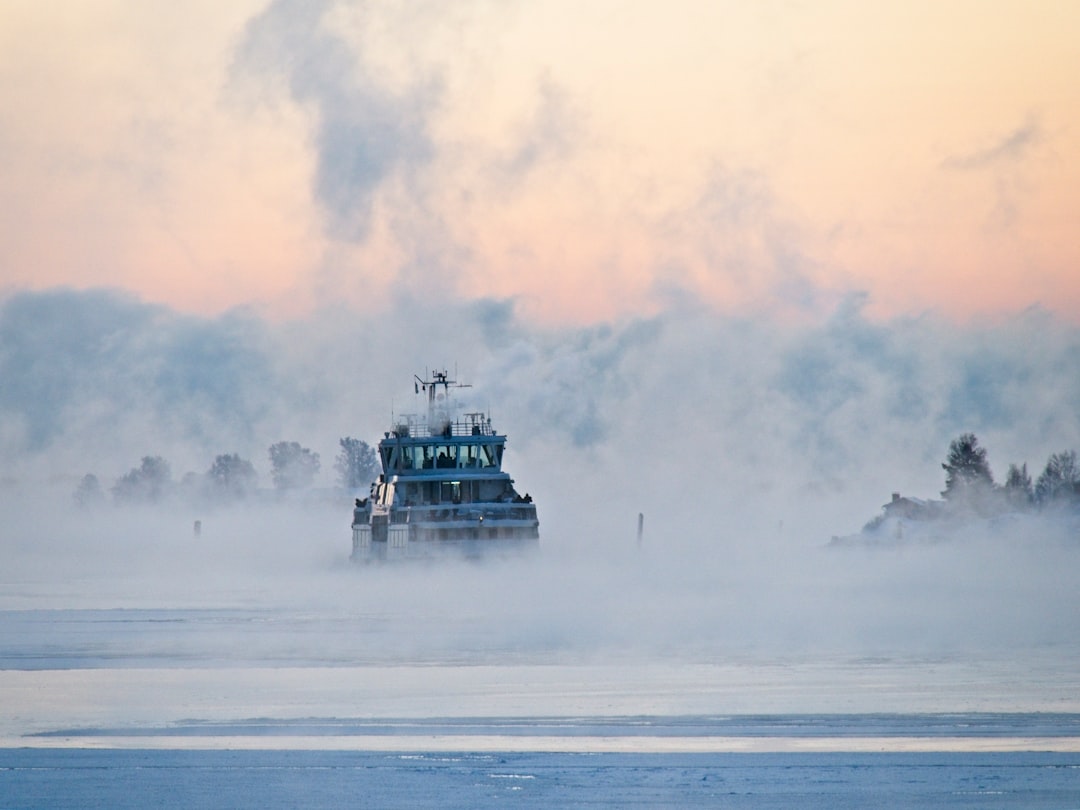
(117, 629)
(253, 666)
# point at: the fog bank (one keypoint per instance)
(746, 445)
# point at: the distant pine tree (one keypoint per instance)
(1060, 481)
(967, 472)
(1018, 487)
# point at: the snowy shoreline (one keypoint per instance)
(207, 707)
(557, 744)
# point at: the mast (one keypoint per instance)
(438, 397)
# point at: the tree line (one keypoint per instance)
(233, 478)
(970, 483)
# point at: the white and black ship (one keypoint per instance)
(442, 487)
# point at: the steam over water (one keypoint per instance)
(715, 623)
(746, 448)
(254, 666)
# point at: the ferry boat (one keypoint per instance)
(442, 487)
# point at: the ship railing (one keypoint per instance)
(465, 512)
(420, 428)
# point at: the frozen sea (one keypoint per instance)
(254, 667)
(277, 779)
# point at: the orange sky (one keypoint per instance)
(592, 160)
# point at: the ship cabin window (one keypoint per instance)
(427, 493)
(392, 458)
(414, 457)
(455, 492)
(436, 493)
(423, 459)
(442, 456)
(446, 456)
(481, 456)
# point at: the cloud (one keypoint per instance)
(745, 443)
(1008, 164)
(98, 372)
(551, 134)
(738, 241)
(366, 132)
(1012, 147)
(57, 345)
(815, 422)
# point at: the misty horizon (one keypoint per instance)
(745, 444)
(839, 413)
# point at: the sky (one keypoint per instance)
(745, 269)
(590, 162)
(817, 240)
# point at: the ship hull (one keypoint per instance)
(411, 541)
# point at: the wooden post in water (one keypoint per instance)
(640, 527)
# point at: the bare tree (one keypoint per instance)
(292, 466)
(357, 464)
(147, 483)
(231, 477)
(89, 494)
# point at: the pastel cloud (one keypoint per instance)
(364, 131)
(757, 419)
(590, 162)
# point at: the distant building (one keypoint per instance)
(903, 508)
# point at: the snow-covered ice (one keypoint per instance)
(128, 629)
